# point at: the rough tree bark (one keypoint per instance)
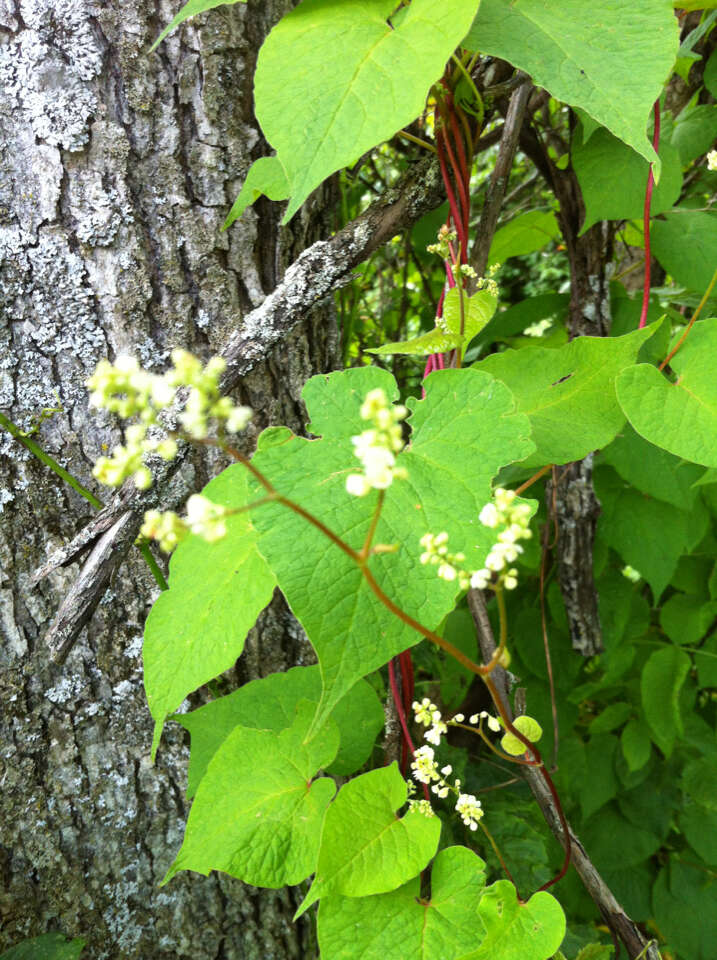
(116, 171)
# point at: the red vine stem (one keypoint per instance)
(646, 219)
(401, 714)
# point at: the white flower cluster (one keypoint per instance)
(446, 237)
(204, 519)
(631, 574)
(425, 768)
(377, 448)
(429, 715)
(538, 328)
(712, 160)
(436, 553)
(470, 810)
(461, 270)
(126, 389)
(514, 518)
(488, 283)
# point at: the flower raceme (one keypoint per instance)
(377, 448)
(502, 512)
(126, 389)
(425, 767)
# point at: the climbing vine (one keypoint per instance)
(436, 534)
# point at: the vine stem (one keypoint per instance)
(36, 450)
(396, 694)
(695, 315)
(646, 219)
(483, 671)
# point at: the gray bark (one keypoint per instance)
(117, 169)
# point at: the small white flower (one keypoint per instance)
(489, 516)
(630, 572)
(357, 485)
(425, 768)
(493, 723)
(712, 160)
(470, 810)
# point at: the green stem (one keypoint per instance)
(37, 451)
(474, 88)
(143, 547)
(45, 458)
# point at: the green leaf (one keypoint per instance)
(695, 132)
(400, 924)
(477, 309)
(257, 814)
(49, 946)
(649, 535)
(462, 433)
(699, 825)
(435, 341)
(524, 234)
(680, 417)
(660, 684)
(508, 323)
(266, 178)
(365, 848)
(699, 781)
(518, 931)
(685, 618)
(270, 703)
(596, 951)
(685, 243)
(636, 744)
(710, 74)
(351, 80)
(614, 715)
(190, 9)
(581, 52)
(706, 663)
(653, 470)
(615, 843)
(608, 196)
(600, 786)
(196, 629)
(685, 905)
(568, 393)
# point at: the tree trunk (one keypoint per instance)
(117, 168)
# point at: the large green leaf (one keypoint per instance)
(615, 843)
(611, 197)
(391, 926)
(334, 79)
(523, 234)
(191, 9)
(649, 535)
(660, 685)
(685, 905)
(270, 703)
(477, 311)
(365, 848)
(568, 393)
(582, 52)
(462, 433)
(652, 470)
(437, 340)
(518, 931)
(695, 131)
(685, 243)
(49, 946)
(266, 177)
(197, 628)
(681, 417)
(685, 618)
(257, 814)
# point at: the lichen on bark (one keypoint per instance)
(117, 169)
